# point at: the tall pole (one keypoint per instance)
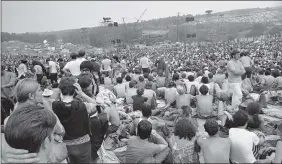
(125, 30)
(177, 25)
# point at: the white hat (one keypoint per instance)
(47, 93)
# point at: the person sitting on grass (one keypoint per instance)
(204, 103)
(140, 150)
(215, 149)
(139, 99)
(119, 89)
(141, 83)
(131, 91)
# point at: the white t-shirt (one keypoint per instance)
(74, 67)
(53, 67)
(107, 64)
(242, 142)
(144, 61)
(80, 60)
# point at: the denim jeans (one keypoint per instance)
(237, 95)
(79, 153)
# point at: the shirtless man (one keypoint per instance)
(215, 149)
(235, 70)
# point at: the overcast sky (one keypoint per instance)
(34, 16)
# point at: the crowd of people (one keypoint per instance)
(179, 104)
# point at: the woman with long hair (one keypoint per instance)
(183, 142)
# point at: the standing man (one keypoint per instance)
(8, 81)
(145, 64)
(235, 70)
(53, 69)
(72, 67)
(80, 57)
(247, 63)
(161, 65)
(106, 65)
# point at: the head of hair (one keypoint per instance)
(81, 53)
(146, 75)
(187, 111)
(240, 118)
(144, 129)
(205, 80)
(150, 78)
(175, 76)
(148, 85)
(200, 73)
(119, 80)
(275, 73)
(28, 127)
(183, 75)
(160, 73)
(210, 75)
(141, 78)
(146, 110)
(204, 90)
(211, 127)
(24, 88)
(127, 78)
(171, 84)
(261, 72)
(73, 55)
(254, 108)
(233, 53)
(84, 81)
(267, 72)
(66, 86)
(137, 71)
(87, 65)
(191, 78)
(132, 84)
(55, 85)
(140, 91)
(184, 129)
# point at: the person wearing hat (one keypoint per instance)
(235, 70)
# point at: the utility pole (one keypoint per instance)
(177, 25)
(125, 30)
